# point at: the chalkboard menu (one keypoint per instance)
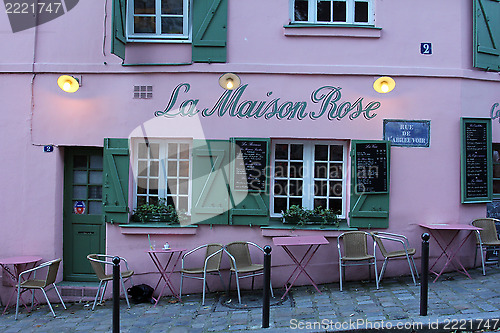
(371, 167)
(250, 170)
(476, 160)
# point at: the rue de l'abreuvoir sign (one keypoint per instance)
(327, 102)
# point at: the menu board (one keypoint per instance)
(371, 167)
(250, 169)
(476, 160)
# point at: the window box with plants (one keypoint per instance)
(160, 212)
(302, 216)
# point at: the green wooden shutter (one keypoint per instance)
(118, 19)
(209, 30)
(251, 206)
(370, 208)
(115, 182)
(487, 34)
(210, 187)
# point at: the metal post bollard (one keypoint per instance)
(424, 278)
(267, 286)
(116, 295)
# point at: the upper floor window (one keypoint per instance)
(158, 19)
(332, 11)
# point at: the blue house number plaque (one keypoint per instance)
(425, 48)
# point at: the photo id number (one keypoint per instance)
(32, 8)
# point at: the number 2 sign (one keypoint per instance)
(425, 48)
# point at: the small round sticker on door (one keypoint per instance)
(79, 207)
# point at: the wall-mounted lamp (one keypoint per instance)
(384, 84)
(68, 83)
(229, 81)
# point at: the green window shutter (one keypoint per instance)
(486, 46)
(115, 182)
(210, 186)
(118, 19)
(251, 205)
(209, 30)
(370, 174)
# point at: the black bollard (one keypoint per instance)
(267, 286)
(116, 295)
(424, 277)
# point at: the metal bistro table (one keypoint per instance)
(20, 264)
(166, 270)
(445, 235)
(314, 243)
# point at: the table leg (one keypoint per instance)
(165, 275)
(300, 267)
(14, 277)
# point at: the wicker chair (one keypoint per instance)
(486, 239)
(355, 253)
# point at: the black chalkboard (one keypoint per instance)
(476, 160)
(250, 171)
(371, 167)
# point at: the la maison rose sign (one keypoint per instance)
(326, 102)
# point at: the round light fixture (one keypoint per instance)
(384, 84)
(68, 83)
(229, 81)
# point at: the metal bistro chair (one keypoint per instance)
(32, 284)
(97, 264)
(406, 252)
(241, 263)
(211, 265)
(355, 250)
(486, 239)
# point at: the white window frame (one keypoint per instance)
(185, 37)
(312, 13)
(163, 165)
(308, 175)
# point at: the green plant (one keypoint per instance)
(301, 216)
(159, 212)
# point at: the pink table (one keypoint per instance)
(446, 233)
(20, 264)
(164, 270)
(314, 243)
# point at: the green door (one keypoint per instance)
(83, 224)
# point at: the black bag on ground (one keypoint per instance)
(140, 293)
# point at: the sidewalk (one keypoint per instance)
(454, 302)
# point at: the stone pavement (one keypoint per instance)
(455, 302)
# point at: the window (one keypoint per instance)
(310, 174)
(158, 19)
(332, 11)
(496, 170)
(163, 170)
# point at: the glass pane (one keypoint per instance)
(335, 205)
(295, 188)
(172, 151)
(279, 205)
(281, 152)
(301, 10)
(142, 186)
(496, 171)
(183, 186)
(361, 11)
(171, 201)
(496, 186)
(80, 177)
(339, 11)
(154, 171)
(296, 170)
(320, 170)
(335, 189)
(144, 6)
(143, 151)
(183, 204)
(79, 161)
(79, 192)
(336, 153)
(153, 200)
(321, 152)
(296, 152)
(143, 168)
(141, 200)
(184, 152)
(154, 150)
(172, 25)
(281, 169)
(319, 203)
(320, 188)
(280, 187)
(171, 7)
(95, 192)
(95, 207)
(153, 186)
(144, 25)
(324, 11)
(295, 201)
(172, 185)
(496, 152)
(335, 171)
(184, 169)
(96, 162)
(172, 169)
(95, 177)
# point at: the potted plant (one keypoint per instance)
(159, 212)
(301, 216)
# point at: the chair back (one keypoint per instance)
(97, 266)
(489, 232)
(52, 271)
(380, 244)
(355, 244)
(241, 254)
(213, 264)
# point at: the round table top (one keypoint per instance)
(19, 260)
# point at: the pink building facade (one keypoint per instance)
(306, 97)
